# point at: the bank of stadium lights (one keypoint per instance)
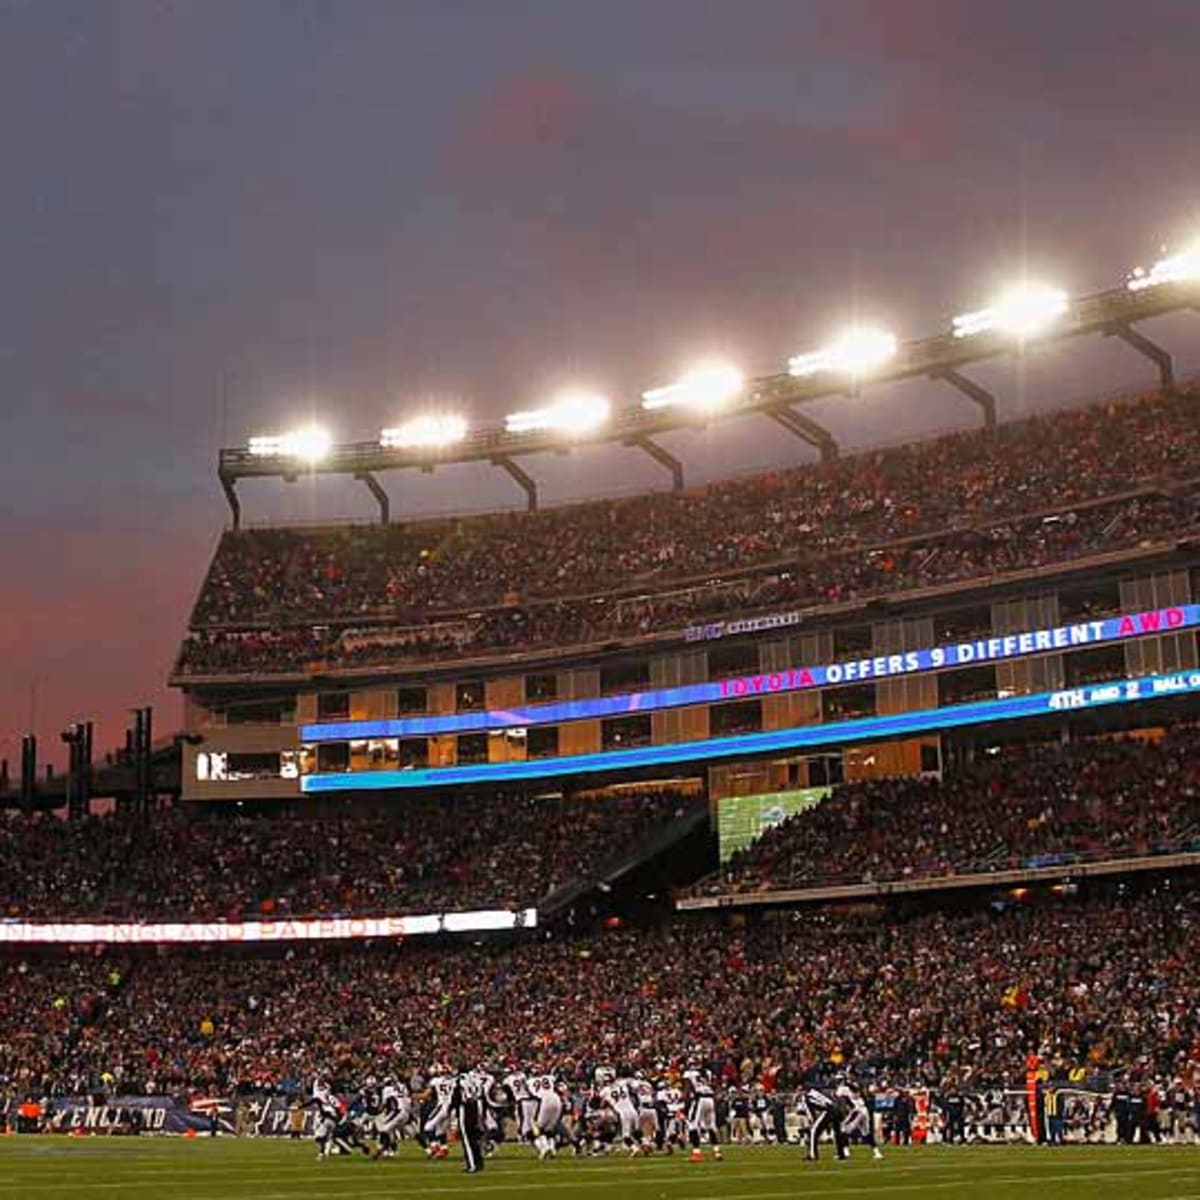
(309, 444)
(857, 351)
(1021, 311)
(425, 432)
(571, 412)
(1176, 268)
(707, 388)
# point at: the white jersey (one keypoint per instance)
(702, 1106)
(325, 1102)
(619, 1095)
(397, 1102)
(643, 1092)
(518, 1084)
(549, 1112)
(671, 1098)
(442, 1088)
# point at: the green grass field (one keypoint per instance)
(39, 1168)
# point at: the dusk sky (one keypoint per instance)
(220, 216)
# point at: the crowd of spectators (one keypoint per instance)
(447, 854)
(1056, 461)
(1027, 806)
(812, 580)
(1105, 981)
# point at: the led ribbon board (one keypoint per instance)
(859, 670)
(308, 929)
(896, 725)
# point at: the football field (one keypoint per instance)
(33, 1168)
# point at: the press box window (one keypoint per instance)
(967, 685)
(261, 712)
(413, 752)
(472, 747)
(728, 720)
(541, 741)
(619, 732)
(1097, 664)
(846, 703)
(468, 697)
(625, 677)
(539, 688)
(333, 757)
(411, 701)
(333, 706)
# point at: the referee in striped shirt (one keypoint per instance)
(467, 1104)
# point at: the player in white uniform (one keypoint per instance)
(672, 1115)
(701, 1112)
(328, 1114)
(648, 1119)
(524, 1103)
(394, 1117)
(618, 1095)
(437, 1124)
(858, 1118)
(491, 1108)
(547, 1119)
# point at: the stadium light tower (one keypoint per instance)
(1022, 311)
(855, 352)
(429, 432)
(574, 412)
(706, 388)
(309, 444)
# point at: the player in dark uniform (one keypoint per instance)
(1122, 1111)
(954, 1107)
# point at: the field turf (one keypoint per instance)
(40, 1168)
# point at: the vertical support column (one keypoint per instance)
(973, 392)
(229, 486)
(524, 480)
(1136, 340)
(381, 497)
(663, 457)
(807, 430)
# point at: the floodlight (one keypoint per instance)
(311, 444)
(1022, 311)
(572, 412)
(857, 351)
(706, 387)
(1177, 268)
(429, 431)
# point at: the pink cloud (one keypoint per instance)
(539, 107)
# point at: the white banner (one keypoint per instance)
(308, 929)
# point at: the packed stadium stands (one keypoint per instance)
(1048, 489)
(1029, 806)
(452, 853)
(1102, 982)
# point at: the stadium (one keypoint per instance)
(827, 827)
(837, 728)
